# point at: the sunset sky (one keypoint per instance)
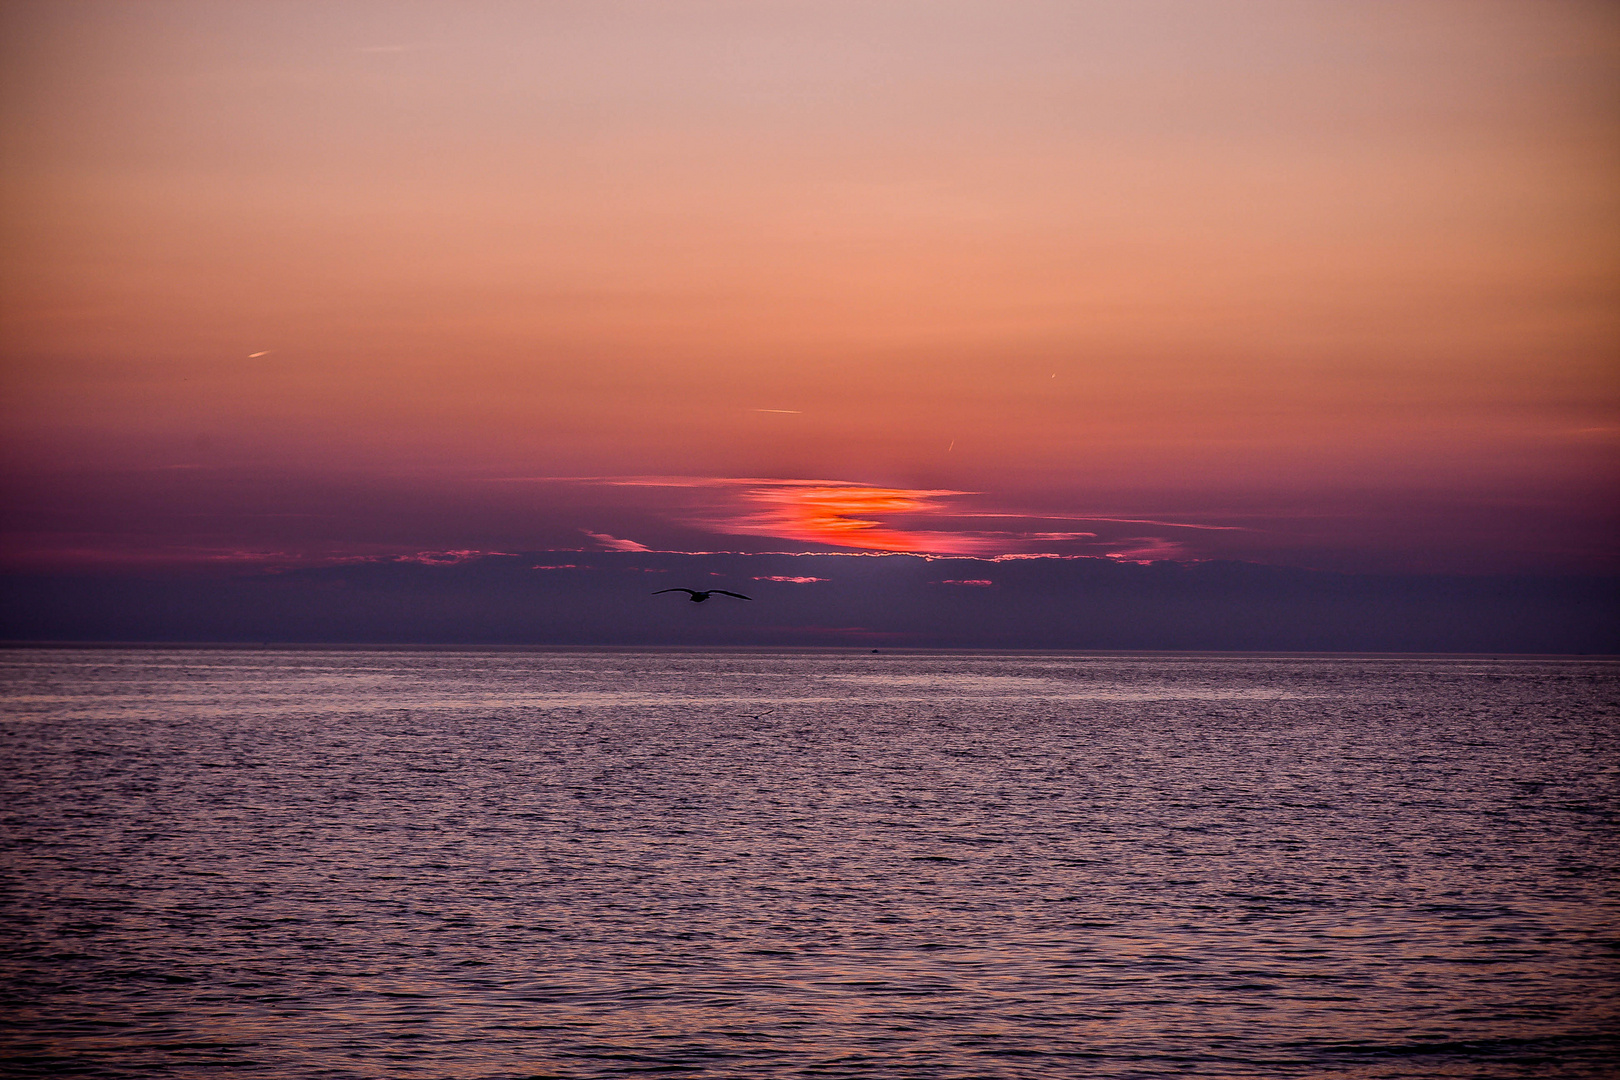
(1321, 284)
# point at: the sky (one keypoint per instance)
(1315, 284)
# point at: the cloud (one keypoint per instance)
(1146, 549)
(613, 543)
(1111, 520)
(979, 582)
(1037, 555)
(450, 557)
(710, 481)
(795, 580)
(424, 558)
(842, 514)
(870, 518)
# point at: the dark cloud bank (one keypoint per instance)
(579, 598)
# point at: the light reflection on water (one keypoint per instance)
(440, 864)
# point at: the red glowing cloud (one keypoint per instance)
(847, 515)
(835, 512)
(870, 518)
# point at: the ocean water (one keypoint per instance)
(759, 864)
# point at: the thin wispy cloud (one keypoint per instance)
(1110, 520)
(424, 558)
(1146, 549)
(613, 543)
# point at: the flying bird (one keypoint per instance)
(699, 597)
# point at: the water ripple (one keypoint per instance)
(350, 864)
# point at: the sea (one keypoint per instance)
(356, 863)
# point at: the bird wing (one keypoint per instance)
(738, 595)
(692, 591)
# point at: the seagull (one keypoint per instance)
(699, 597)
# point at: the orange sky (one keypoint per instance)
(1217, 263)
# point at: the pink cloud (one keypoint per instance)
(425, 558)
(613, 543)
(795, 580)
(446, 558)
(1146, 549)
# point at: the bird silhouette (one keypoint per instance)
(699, 597)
